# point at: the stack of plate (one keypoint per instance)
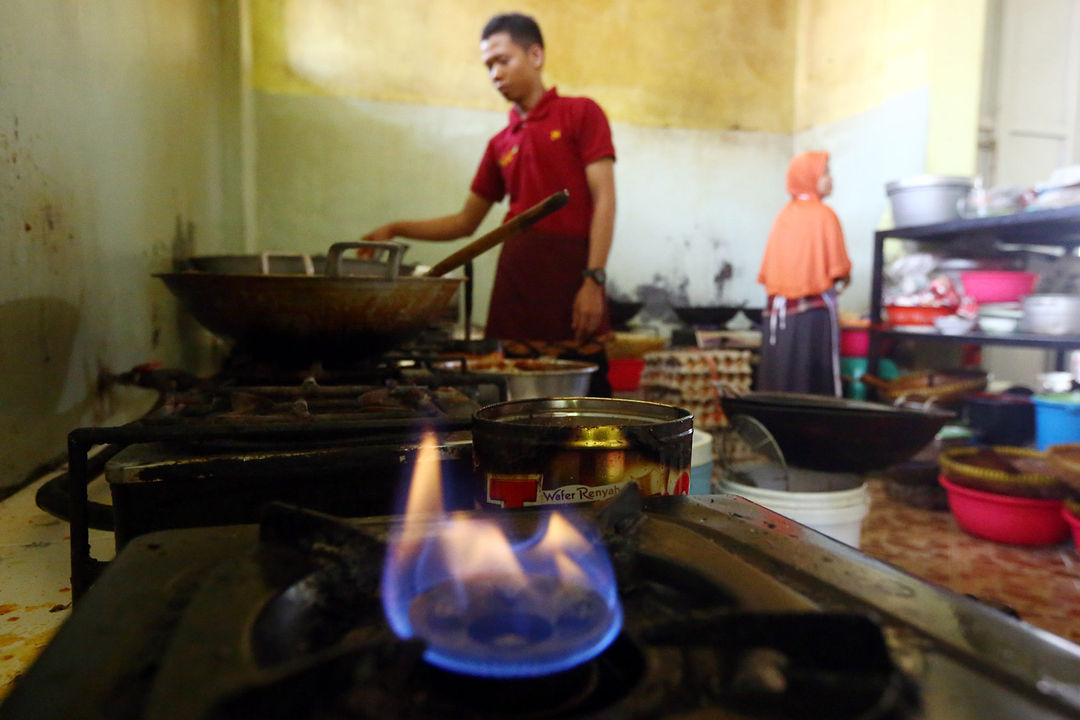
(1000, 318)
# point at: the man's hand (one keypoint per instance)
(381, 234)
(588, 310)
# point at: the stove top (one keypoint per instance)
(730, 611)
(215, 450)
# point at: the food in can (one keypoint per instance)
(570, 450)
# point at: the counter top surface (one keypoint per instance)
(1041, 584)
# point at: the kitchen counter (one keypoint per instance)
(1041, 584)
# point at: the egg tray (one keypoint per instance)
(1015, 471)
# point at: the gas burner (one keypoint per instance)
(722, 618)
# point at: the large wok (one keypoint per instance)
(839, 435)
(334, 313)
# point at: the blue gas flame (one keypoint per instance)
(488, 607)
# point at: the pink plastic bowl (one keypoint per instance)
(1006, 518)
(1074, 523)
(997, 285)
(854, 342)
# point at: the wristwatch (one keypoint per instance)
(597, 274)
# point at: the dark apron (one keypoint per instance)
(535, 283)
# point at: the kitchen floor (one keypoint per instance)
(1041, 584)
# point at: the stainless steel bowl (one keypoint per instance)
(539, 377)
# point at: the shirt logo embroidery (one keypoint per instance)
(556, 134)
(508, 157)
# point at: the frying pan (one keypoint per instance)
(334, 313)
(839, 435)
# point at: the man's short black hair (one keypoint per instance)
(522, 29)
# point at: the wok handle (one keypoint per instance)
(393, 260)
(508, 229)
(305, 259)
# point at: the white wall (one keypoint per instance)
(112, 118)
(866, 151)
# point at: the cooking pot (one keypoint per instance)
(838, 435)
(1051, 314)
(334, 313)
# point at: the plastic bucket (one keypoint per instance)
(701, 463)
(838, 513)
(1057, 419)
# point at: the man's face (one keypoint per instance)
(514, 71)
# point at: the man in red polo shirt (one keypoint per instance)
(549, 284)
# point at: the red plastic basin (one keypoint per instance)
(916, 315)
(625, 373)
(997, 285)
(1006, 518)
(1074, 523)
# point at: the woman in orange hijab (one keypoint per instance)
(804, 267)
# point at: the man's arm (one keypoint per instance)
(448, 227)
(589, 301)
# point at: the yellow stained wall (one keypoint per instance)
(706, 64)
(855, 54)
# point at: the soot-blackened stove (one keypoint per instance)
(730, 611)
(215, 451)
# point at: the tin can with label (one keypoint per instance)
(557, 451)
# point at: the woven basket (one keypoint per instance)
(966, 466)
(941, 388)
(1066, 459)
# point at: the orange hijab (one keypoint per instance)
(805, 253)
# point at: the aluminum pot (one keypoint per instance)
(557, 451)
(1051, 314)
(926, 199)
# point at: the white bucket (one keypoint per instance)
(837, 513)
(701, 463)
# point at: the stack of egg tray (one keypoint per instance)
(691, 378)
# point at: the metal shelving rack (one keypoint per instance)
(1042, 227)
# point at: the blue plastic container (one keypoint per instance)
(1057, 419)
(701, 463)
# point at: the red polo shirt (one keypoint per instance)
(543, 153)
(539, 272)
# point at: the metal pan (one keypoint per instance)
(334, 313)
(839, 435)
